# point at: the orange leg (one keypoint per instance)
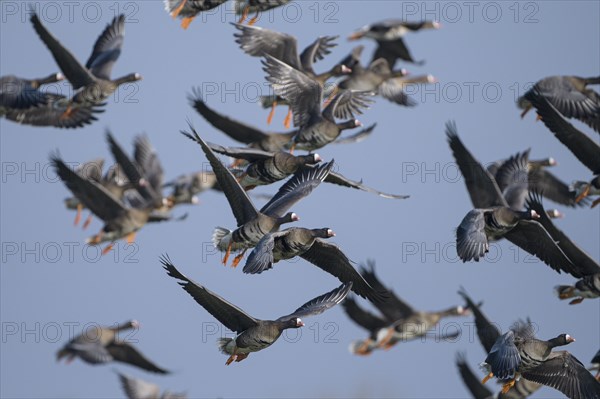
(232, 358)
(238, 258)
(185, 23)
(241, 357)
(331, 97)
(487, 378)
(176, 11)
(363, 349)
(292, 148)
(253, 20)
(386, 340)
(583, 194)
(576, 301)
(270, 117)
(244, 15)
(288, 119)
(108, 248)
(567, 293)
(596, 202)
(506, 387)
(78, 215)
(130, 238)
(67, 114)
(537, 118)
(87, 222)
(227, 253)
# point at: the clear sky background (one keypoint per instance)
(50, 281)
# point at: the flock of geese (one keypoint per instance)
(506, 196)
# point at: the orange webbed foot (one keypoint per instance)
(226, 257)
(67, 114)
(253, 20)
(506, 387)
(487, 378)
(241, 357)
(583, 194)
(108, 248)
(238, 258)
(131, 238)
(230, 360)
(271, 113)
(288, 119)
(576, 301)
(87, 222)
(78, 215)
(385, 342)
(244, 15)
(185, 23)
(177, 11)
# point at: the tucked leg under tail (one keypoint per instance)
(78, 214)
(506, 387)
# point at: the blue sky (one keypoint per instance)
(485, 55)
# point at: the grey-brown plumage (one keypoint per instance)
(519, 353)
(310, 245)
(252, 223)
(22, 101)
(389, 37)
(266, 167)
(136, 388)
(254, 137)
(570, 95)
(99, 345)
(92, 82)
(521, 390)
(488, 332)
(379, 78)
(260, 42)
(404, 322)
(317, 127)
(253, 334)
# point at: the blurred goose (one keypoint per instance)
(488, 333)
(379, 78)
(570, 96)
(92, 81)
(259, 42)
(267, 167)
(483, 186)
(371, 322)
(120, 219)
(252, 223)
(253, 334)
(539, 179)
(187, 10)
(310, 245)
(389, 37)
(255, 138)
(20, 93)
(22, 101)
(582, 146)
(244, 7)
(493, 218)
(99, 345)
(317, 127)
(404, 322)
(136, 388)
(584, 266)
(521, 390)
(112, 181)
(519, 353)
(184, 189)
